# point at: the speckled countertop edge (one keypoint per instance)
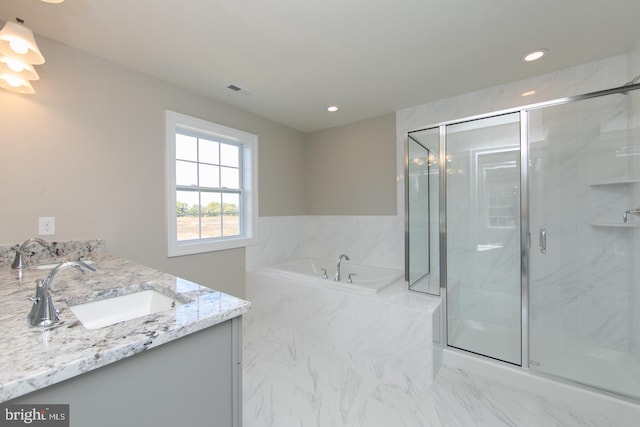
(33, 358)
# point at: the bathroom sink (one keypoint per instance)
(106, 312)
(54, 265)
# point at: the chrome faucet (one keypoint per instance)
(635, 211)
(338, 275)
(20, 262)
(43, 312)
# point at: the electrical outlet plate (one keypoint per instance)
(46, 226)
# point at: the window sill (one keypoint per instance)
(192, 247)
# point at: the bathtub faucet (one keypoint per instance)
(635, 211)
(340, 258)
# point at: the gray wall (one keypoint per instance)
(351, 169)
(88, 149)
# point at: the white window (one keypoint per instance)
(212, 187)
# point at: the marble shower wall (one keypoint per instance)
(634, 300)
(581, 288)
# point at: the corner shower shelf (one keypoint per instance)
(615, 182)
(613, 225)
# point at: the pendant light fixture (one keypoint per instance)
(16, 84)
(17, 42)
(18, 53)
(17, 68)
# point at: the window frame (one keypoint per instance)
(249, 184)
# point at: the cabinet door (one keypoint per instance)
(187, 382)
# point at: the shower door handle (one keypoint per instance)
(543, 240)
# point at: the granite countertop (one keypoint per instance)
(33, 358)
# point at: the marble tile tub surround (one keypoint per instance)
(322, 357)
(32, 358)
(369, 240)
(58, 251)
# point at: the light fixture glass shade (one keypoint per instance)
(15, 84)
(17, 41)
(17, 68)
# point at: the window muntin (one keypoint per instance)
(208, 188)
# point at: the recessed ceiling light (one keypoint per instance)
(536, 54)
(332, 108)
(529, 93)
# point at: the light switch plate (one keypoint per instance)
(46, 226)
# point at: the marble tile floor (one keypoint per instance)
(279, 394)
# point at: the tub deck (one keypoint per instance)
(321, 272)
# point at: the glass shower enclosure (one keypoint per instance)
(537, 233)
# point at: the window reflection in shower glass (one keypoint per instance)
(483, 237)
(498, 196)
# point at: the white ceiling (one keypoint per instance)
(370, 57)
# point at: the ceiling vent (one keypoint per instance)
(238, 89)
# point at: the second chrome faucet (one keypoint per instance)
(635, 211)
(338, 276)
(20, 261)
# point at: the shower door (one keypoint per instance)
(584, 288)
(484, 306)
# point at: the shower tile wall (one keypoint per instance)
(581, 288)
(599, 315)
(604, 158)
(634, 301)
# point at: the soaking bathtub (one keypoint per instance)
(364, 278)
(320, 352)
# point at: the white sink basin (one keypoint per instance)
(52, 266)
(106, 312)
